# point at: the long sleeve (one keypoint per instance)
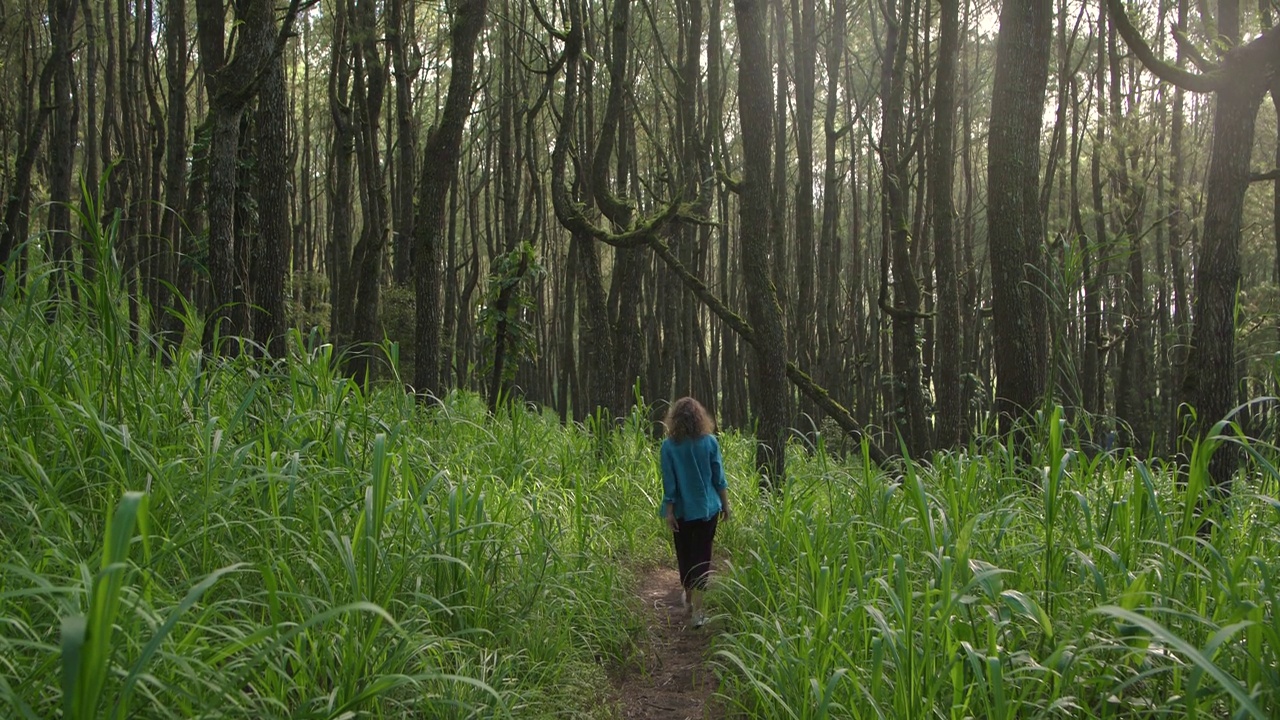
(717, 466)
(668, 477)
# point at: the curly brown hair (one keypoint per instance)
(687, 419)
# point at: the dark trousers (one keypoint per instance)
(693, 551)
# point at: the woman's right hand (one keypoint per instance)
(672, 523)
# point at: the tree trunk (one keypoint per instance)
(369, 89)
(175, 189)
(768, 379)
(828, 327)
(400, 27)
(62, 18)
(1016, 235)
(439, 168)
(941, 175)
(803, 326)
(1212, 374)
(340, 185)
(1134, 390)
(271, 245)
(908, 396)
(231, 84)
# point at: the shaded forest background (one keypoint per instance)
(962, 210)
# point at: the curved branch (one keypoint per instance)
(1161, 69)
(1192, 50)
(730, 184)
(798, 377)
(902, 313)
(616, 209)
(570, 213)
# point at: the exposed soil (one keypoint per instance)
(671, 679)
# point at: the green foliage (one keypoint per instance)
(398, 315)
(308, 301)
(963, 588)
(189, 536)
(192, 536)
(508, 309)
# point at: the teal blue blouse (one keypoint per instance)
(692, 475)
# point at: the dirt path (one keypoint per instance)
(672, 680)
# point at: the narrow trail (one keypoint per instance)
(672, 680)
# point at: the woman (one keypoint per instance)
(694, 495)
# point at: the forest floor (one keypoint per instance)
(671, 678)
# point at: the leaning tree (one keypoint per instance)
(1238, 81)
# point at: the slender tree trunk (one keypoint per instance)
(828, 328)
(768, 380)
(400, 28)
(439, 168)
(271, 245)
(369, 88)
(941, 175)
(341, 178)
(778, 214)
(175, 189)
(804, 327)
(1134, 389)
(908, 410)
(91, 172)
(62, 18)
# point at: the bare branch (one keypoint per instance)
(1161, 69)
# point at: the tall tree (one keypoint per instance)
(369, 84)
(231, 83)
(908, 395)
(62, 19)
(804, 32)
(1016, 234)
(612, 143)
(175, 189)
(341, 179)
(1238, 83)
(769, 394)
(950, 421)
(1134, 387)
(829, 245)
(400, 30)
(439, 169)
(271, 245)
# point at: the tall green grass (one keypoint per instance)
(195, 536)
(971, 587)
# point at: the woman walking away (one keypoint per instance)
(694, 496)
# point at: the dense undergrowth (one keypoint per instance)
(971, 588)
(190, 536)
